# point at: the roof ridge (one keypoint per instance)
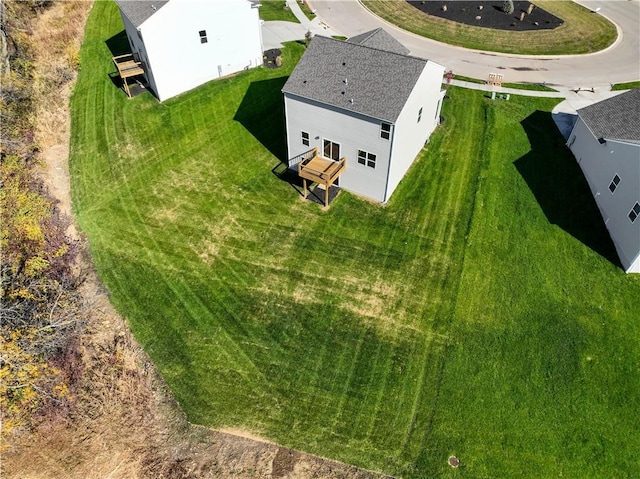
(377, 49)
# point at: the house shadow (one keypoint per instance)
(559, 186)
(118, 44)
(261, 112)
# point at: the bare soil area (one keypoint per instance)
(122, 421)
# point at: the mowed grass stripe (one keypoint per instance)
(387, 337)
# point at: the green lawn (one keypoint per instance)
(582, 31)
(626, 86)
(478, 313)
(276, 10)
(307, 11)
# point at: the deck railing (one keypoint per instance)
(302, 156)
(326, 176)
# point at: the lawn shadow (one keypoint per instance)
(118, 44)
(559, 186)
(261, 112)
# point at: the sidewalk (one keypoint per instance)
(275, 33)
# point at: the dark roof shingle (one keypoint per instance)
(616, 118)
(354, 77)
(381, 40)
(138, 11)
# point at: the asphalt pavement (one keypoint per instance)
(580, 79)
(618, 63)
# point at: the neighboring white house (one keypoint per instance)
(185, 43)
(606, 143)
(365, 100)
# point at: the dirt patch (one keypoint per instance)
(123, 421)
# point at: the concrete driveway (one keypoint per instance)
(618, 63)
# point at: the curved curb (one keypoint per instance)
(509, 55)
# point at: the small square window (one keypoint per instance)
(305, 138)
(385, 131)
(203, 36)
(419, 115)
(635, 212)
(368, 159)
(614, 183)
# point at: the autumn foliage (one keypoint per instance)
(39, 303)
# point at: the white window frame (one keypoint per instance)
(634, 212)
(384, 133)
(324, 141)
(614, 184)
(367, 159)
(305, 140)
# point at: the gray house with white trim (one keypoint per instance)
(606, 143)
(365, 100)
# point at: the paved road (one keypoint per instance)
(618, 63)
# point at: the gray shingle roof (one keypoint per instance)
(335, 72)
(381, 40)
(616, 118)
(138, 11)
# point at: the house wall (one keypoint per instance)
(599, 163)
(177, 57)
(410, 136)
(352, 131)
(137, 46)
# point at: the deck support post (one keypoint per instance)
(321, 171)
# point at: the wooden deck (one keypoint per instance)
(127, 67)
(319, 169)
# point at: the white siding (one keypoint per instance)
(410, 136)
(179, 60)
(137, 46)
(600, 162)
(352, 131)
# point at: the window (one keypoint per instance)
(635, 212)
(305, 138)
(203, 36)
(368, 159)
(385, 131)
(419, 114)
(331, 150)
(614, 183)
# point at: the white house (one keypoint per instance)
(365, 101)
(606, 143)
(185, 43)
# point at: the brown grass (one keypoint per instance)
(122, 420)
(582, 31)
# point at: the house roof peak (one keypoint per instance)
(139, 11)
(356, 77)
(379, 39)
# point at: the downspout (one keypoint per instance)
(386, 185)
(286, 126)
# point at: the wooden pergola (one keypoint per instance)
(128, 67)
(324, 171)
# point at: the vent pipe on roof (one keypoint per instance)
(346, 81)
(351, 101)
(153, 6)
